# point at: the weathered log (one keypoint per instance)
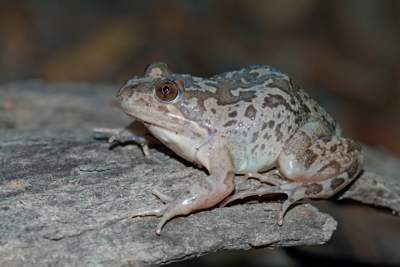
(65, 197)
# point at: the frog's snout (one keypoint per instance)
(125, 92)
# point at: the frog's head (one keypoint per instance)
(158, 99)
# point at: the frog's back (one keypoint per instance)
(270, 111)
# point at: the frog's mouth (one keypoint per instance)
(167, 118)
(174, 124)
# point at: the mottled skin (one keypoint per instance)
(250, 121)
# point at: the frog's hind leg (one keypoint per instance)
(316, 167)
(271, 177)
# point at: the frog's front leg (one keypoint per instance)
(315, 168)
(124, 135)
(203, 194)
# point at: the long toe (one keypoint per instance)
(153, 212)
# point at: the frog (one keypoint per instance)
(253, 122)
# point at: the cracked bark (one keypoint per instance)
(64, 196)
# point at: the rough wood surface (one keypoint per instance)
(379, 185)
(64, 196)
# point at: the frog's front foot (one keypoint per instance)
(158, 212)
(123, 135)
(202, 194)
(166, 212)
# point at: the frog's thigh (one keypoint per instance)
(324, 158)
(319, 170)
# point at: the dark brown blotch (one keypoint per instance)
(333, 164)
(278, 132)
(254, 148)
(354, 169)
(310, 158)
(313, 189)
(262, 147)
(283, 85)
(273, 101)
(333, 148)
(267, 136)
(255, 136)
(230, 123)
(336, 183)
(232, 114)
(250, 112)
(353, 147)
(264, 126)
(224, 94)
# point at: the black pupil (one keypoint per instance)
(166, 90)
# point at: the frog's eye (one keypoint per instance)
(167, 91)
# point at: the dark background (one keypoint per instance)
(345, 53)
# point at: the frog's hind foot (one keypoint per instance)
(295, 192)
(292, 190)
(272, 177)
